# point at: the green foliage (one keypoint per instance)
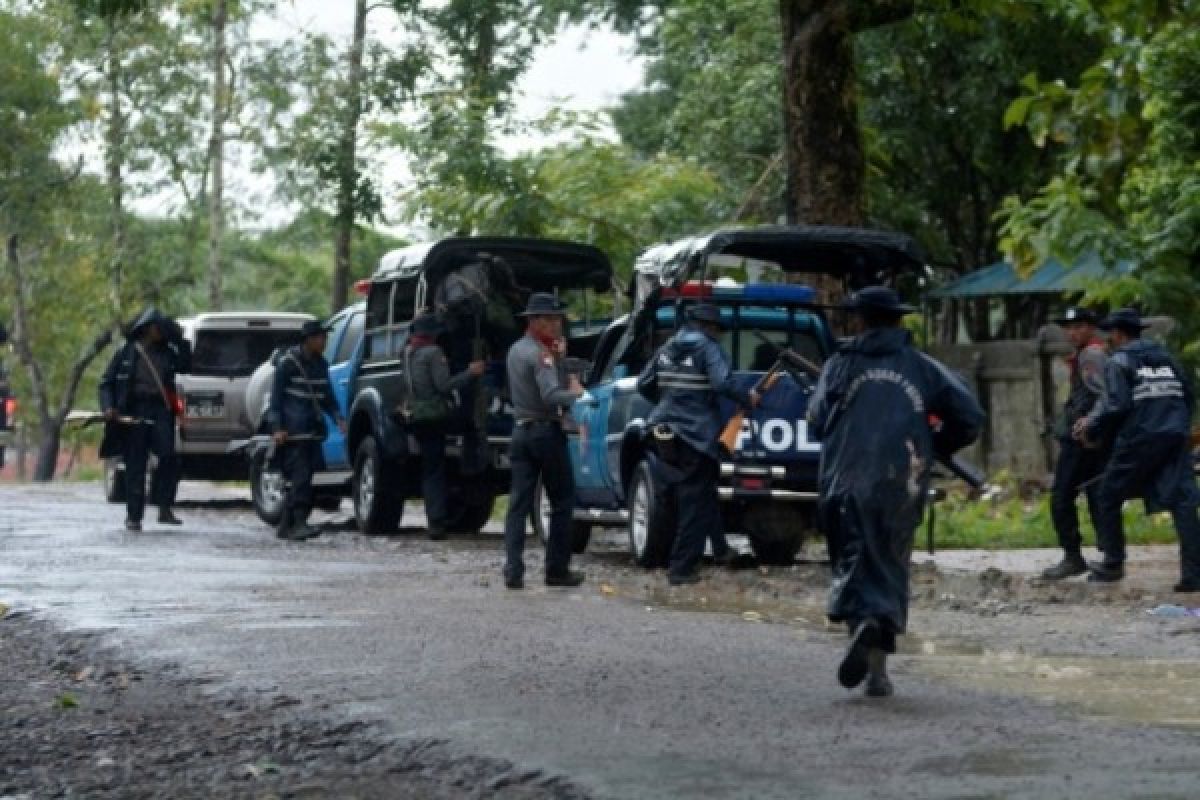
(1125, 136)
(1014, 522)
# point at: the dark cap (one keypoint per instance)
(543, 304)
(313, 327)
(427, 324)
(1124, 319)
(1077, 314)
(705, 313)
(879, 299)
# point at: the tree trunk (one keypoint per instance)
(825, 162)
(49, 422)
(216, 155)
(114, 160)
(347, 161)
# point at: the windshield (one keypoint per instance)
(236, 353)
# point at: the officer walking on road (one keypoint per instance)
(137, 395)
(539, 445)
(430, 390)
(1078, 466)
(685, 379)
(882, 410)
(300, 393)
(1148, 405)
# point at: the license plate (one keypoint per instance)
(206, 410)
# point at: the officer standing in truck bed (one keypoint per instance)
(539, 445)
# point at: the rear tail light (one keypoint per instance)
(10, 408)
(753, 484)
(362, 287)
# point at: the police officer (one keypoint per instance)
(875, 411)
(1078, 466)
(1148, 403)
(137, 395)
(685, 380)
(432, 384)
(539, 446)
(300, 393)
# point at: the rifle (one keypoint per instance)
(730, 434)
(956, 466)
(85, 419)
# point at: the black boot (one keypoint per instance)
(878, 682)
(1103, 572)
(1072, 564)
(166, 517)
(853, 668)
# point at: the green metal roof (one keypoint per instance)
(1052, 277)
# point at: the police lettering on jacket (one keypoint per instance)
(1146, 394)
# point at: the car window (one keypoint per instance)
(236, 353)
(350, 339)
(335, 336)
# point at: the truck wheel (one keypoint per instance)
(776, 531)
(580, 532)
(114, 482)
(468, 513)
(376, 509)
(266, 490)
(651, 524)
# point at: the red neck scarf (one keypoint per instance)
(420, 340)
(550, 343)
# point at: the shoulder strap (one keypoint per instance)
(158, 381)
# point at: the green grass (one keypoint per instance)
(1012, 522)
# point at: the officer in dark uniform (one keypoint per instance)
(300, 393)
(882, 411)
(541, 393)
(432, 385)
(685, 379)
(1148, 405)
(1078, 467)
(137, 395)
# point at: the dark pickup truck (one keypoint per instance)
(377, 442)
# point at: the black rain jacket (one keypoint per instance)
(875, 410)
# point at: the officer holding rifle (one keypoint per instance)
(684, 380)
(883, 411)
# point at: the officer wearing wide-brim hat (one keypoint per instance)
(685, 380)
(1078, 465)
(1148, 405)
(541, 394)
(300, 394)
(877, 301)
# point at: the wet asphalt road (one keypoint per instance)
(623, 697)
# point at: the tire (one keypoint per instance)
(466, 513)
(114, 482)
(651, 525)
(375, 509)
(266, 491)
(776, 532)
(580, 532)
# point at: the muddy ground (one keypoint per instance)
(218, 661)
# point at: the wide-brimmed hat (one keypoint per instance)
(1076, 314)
(877, 298)
(427, 325)
(313, 327)
(543, 304)
(706, 313)
(1124, 319)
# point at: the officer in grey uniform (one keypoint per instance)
(1078, 466)
(685, 379)
(541, 393)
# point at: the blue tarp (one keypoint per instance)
(1052, 277)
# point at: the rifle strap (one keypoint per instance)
(158, 381)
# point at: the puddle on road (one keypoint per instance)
(1148, 691)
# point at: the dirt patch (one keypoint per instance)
(79, 721)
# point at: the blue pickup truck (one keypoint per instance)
(768, 486)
